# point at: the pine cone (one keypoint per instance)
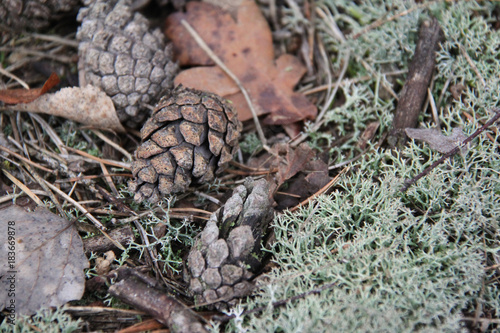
(34, 14)
(190, 136)
(119, 54)
(226, 253)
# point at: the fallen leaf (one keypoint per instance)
(306, 171)
(246, 48)
(303, 169)
(294, 162)
(88, 105)
(436, 139)
(43, 260)
(16, 96)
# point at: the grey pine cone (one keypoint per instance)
(190, 137)
(227, 252)
(121, 55)
(34, 14)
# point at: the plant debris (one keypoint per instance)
(89, 106)
(49, 259)
(16, 96)
(437, 140)
(246, 48)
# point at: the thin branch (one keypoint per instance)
(282, 302)
(80, 208)
(410, 182)
(472, 64)
(24, 188)
(12, 76)
(383, 20)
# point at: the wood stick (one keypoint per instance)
(166, 309)
(414, 91)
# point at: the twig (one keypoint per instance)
(201, 43)
(336, 33)
(282, 302)
(21, 50)
(108, 179)
(382, 21)
(321, 191)
(36, 165)
(50, 131)
(12, 76)
(24, 188)
(452, 152)
(57, 39)
(113, 144)
(414, 92)
(164, 308)
(80, 207)
(433, 108)
(11, 196)
(472, 64)
(40, 181)
(101, 160)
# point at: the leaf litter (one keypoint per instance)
(49, 260)
(245, 46)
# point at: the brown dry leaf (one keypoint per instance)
(88, 105)
(294, 162)
(43, 260)
(15, 96)
(246, 48)
(436, 139)
(309, 169)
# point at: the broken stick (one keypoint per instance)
(164, 308)
(414, 91)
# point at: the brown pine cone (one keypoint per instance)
(190, 136)
(34, 14)
(122, 56)
(227, 252)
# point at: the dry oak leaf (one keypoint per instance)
(43, 260)
(86, 105)
(246, 48)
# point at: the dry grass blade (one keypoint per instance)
(80, 207)
(36, 165)
(24, 188)
(101, 160)
(50, 131)
(14, 77)
(104, 138)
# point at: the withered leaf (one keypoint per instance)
(246, 48)
(15, 96)
(436, 139)
(43, 260)
(86, 105)
(294, 162)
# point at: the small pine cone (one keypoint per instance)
(34, 14)
(122, 56)
(226, 254)
(190, 136)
